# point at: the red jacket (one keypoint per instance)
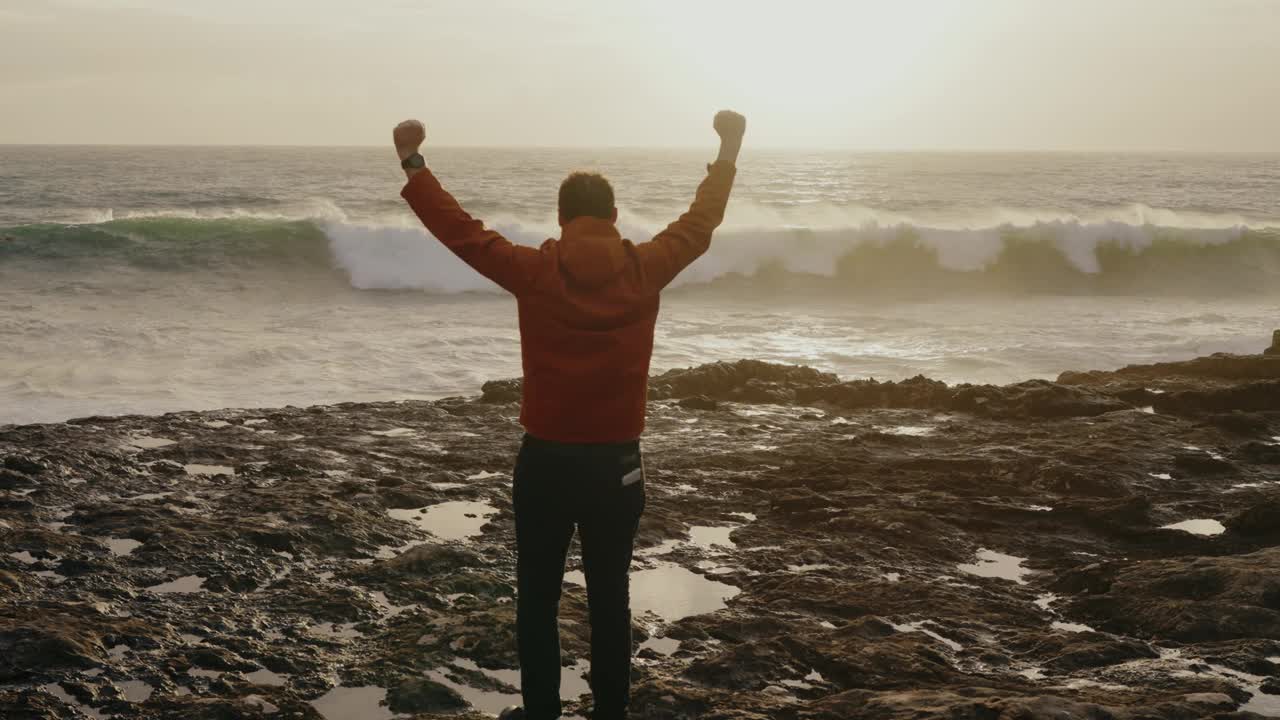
(588, 303)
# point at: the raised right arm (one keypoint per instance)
(513, 267)
(685, 240)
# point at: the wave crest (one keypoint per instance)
(1134, 250)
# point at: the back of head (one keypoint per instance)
(585, 194)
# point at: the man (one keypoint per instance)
(587, 304)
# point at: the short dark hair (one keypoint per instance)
(585, 194)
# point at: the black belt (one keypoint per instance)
(587, 450)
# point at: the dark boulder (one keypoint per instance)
(502, 391)
(421, 695)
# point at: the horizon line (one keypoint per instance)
(710, 147)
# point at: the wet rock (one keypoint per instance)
(1275, 344)
(26, 650)
(1198, 600)
(1271, 686)
(1076, 651)
(10, 479)
(853, 513)
(429, 559)
(699, 402)
(502, 391)
(423, 695)
(1259, 521)
(744, 380)
(1199, 463)
(1219, 700)
(917, 392)
(1220, 366)
(24, 465)
(1261, 453)
(1035, 399)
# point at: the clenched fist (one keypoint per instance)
(408, 137)
(730, 125)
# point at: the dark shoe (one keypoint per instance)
(515, 712)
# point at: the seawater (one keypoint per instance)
(159, 279)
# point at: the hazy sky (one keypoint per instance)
(1196, 75)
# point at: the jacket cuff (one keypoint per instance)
(415, 183)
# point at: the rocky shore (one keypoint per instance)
(1103, 546)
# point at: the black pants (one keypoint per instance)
(599, 489)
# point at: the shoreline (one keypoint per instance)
(840, 549)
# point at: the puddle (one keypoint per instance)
(893, 577)
(907, 430)
(56, 690)
(187, 584)
(828, 624)
(1161, 476)
(120, 546)
(24, 557)
(1259, 702)
(661, 645)
(349, 703)
(255, 421)
(389, 610)
(811, 567)
(706, 537)
(661, 548)
(997, 565)
(1039, 508)
(217, 424)
(1082, 683)
(117, 652)
(136, 691)
(491, 702)
(671, 592)
(211, 674)
(190, 639)
(807, 683)
(266, 707)
(1198, 527)
(485, 475)
(919, 626)
(457, 520)
(749, 517)
(1044, 601)
(1071, 627)
(1148, 409)
(393, 432)
(198, 469)
(1032, 673)
(266, 677)
(446, 486)
(147, 443)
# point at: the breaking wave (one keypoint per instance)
(1128, 251)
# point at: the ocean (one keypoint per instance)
(155, 279)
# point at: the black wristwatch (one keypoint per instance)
(413, 162)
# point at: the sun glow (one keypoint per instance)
(807, 55)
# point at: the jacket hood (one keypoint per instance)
(591, 251)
